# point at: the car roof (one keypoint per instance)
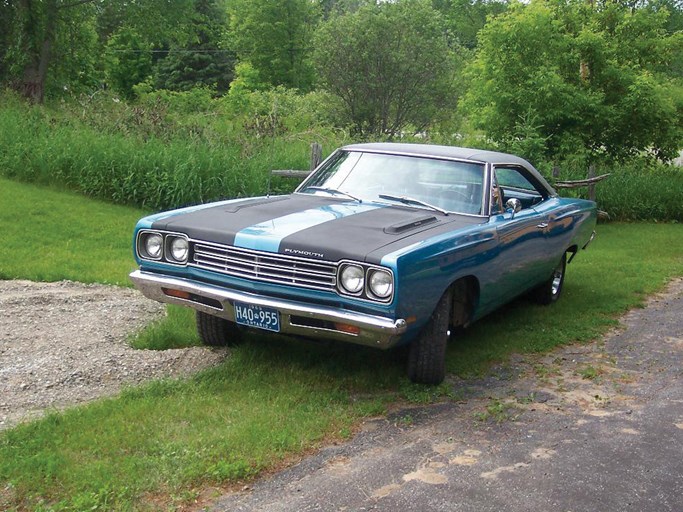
(479, 155)
(454, 152)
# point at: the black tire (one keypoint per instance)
(427, 354)
(216, 332)
(550, 291)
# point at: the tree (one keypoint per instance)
(275, 38)
(464, 18)
(128, 61)
(331, 7)
(55, 38)
(587, 77)
(203, 61)
(7, 14)
(35, 26)
(390, 65)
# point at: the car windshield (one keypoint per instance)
(415, 181)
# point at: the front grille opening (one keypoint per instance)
(262, 266)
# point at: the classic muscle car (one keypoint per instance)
(382, 245)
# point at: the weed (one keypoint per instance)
(498, 411)
(404, 421)
(528, 399)
(589, 372)
(420, 393)
(155, 165)
(541, 370)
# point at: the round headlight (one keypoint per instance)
(179, 249)
(352, 278)
(381, 284)
(154, 244)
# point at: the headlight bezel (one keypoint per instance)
(144, 237)
(373, 275)
(366, 291)
(171, 239)
(349, 267)
(166, 254)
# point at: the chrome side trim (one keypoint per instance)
(375, 331)
(590, 239)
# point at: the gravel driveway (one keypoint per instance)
(65, 343)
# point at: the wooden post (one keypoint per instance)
(556, 171)
(591, 186)
(316, 155)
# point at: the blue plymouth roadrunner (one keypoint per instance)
(382, 245)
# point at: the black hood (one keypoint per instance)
(312, 226)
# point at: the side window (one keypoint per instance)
(516, 182)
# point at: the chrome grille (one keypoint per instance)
(265, 266)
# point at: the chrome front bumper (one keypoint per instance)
(296, 318)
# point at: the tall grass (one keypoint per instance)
(639, 190)
(155, 164)
(643, 194)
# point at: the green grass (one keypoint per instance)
(160, 445)
(176, 330)
(50, 235)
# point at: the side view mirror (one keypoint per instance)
(513, 205)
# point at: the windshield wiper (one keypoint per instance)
(333, 191)
(413, 201)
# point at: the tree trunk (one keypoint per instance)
(35, 72)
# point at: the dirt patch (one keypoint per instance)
(64, 343)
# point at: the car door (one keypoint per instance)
(525, 255)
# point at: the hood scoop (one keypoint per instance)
(402, 227)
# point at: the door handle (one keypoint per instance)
(542, 225)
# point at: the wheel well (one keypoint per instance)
(465, 293)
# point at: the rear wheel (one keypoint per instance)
(427, 354)
(549, 291)
(216, 332)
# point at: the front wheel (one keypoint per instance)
(549, 291)
(215, 331)
(427, 354)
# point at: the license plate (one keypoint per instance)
(257, 316)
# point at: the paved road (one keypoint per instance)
(590, 428)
